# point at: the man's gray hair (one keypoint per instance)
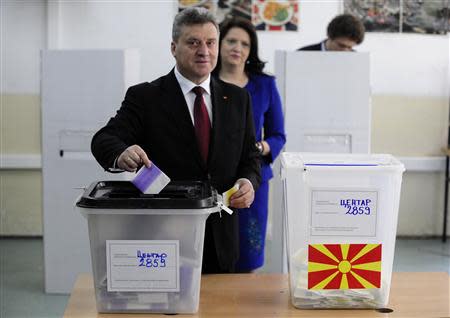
(191, 16)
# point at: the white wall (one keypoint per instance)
(96, 24)
(402, 64)
(23, 34)
(113, 24)
(409, 64)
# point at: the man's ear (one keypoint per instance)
(173, 46)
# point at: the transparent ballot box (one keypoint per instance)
(340, 220)
(147, 249)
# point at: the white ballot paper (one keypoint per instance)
(150, 180)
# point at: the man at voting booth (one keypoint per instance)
(344, 32)
(193, 127)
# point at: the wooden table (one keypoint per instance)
(267, 295)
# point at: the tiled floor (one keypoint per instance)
(22, 281)
(22, 274)
(422, 256)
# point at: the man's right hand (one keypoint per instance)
(133, 158)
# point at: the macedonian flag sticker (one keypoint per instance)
(344, 266)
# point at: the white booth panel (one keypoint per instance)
(327, 92)
(80, 91)
(327, 108)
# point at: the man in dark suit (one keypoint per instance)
(193, 127)
(344, 32)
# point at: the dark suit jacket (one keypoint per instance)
(313, 47)
(155, 116)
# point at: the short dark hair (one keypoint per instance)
(254, 64)
(191, 16)
(348, 26)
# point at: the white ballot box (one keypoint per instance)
(147, 249)
(340, 214)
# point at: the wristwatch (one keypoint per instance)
(260, 147)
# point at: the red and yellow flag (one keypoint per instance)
(344, 266)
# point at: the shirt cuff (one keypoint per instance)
(114, 167)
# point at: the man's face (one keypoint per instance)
(340, 44)
(196, 51)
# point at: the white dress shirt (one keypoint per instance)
(187, 86)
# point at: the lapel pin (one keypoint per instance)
(225, 97)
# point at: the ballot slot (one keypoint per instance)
(331, 143)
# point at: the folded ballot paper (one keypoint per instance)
(150, 180)
(227, 194)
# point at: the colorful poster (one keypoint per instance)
(416, 16)
(377, 15)
(222, 9)
(233, 8)
(426, 16)
(275, 15)
(344, 266)
(266, 15)
(183, 4)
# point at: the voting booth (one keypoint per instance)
(327, 109)
(147, 249)
(326, 98)
(81, 90)
(340, 214)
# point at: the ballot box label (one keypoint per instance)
(143, 265)
(344, 212)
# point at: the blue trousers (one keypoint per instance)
(252, 231)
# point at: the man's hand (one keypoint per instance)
(244, 197)
(132, 158)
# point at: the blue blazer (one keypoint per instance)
(268, 118)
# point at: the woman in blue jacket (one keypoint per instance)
(239, 64)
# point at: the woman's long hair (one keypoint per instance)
(253, 65)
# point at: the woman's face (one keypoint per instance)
(235, 47)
